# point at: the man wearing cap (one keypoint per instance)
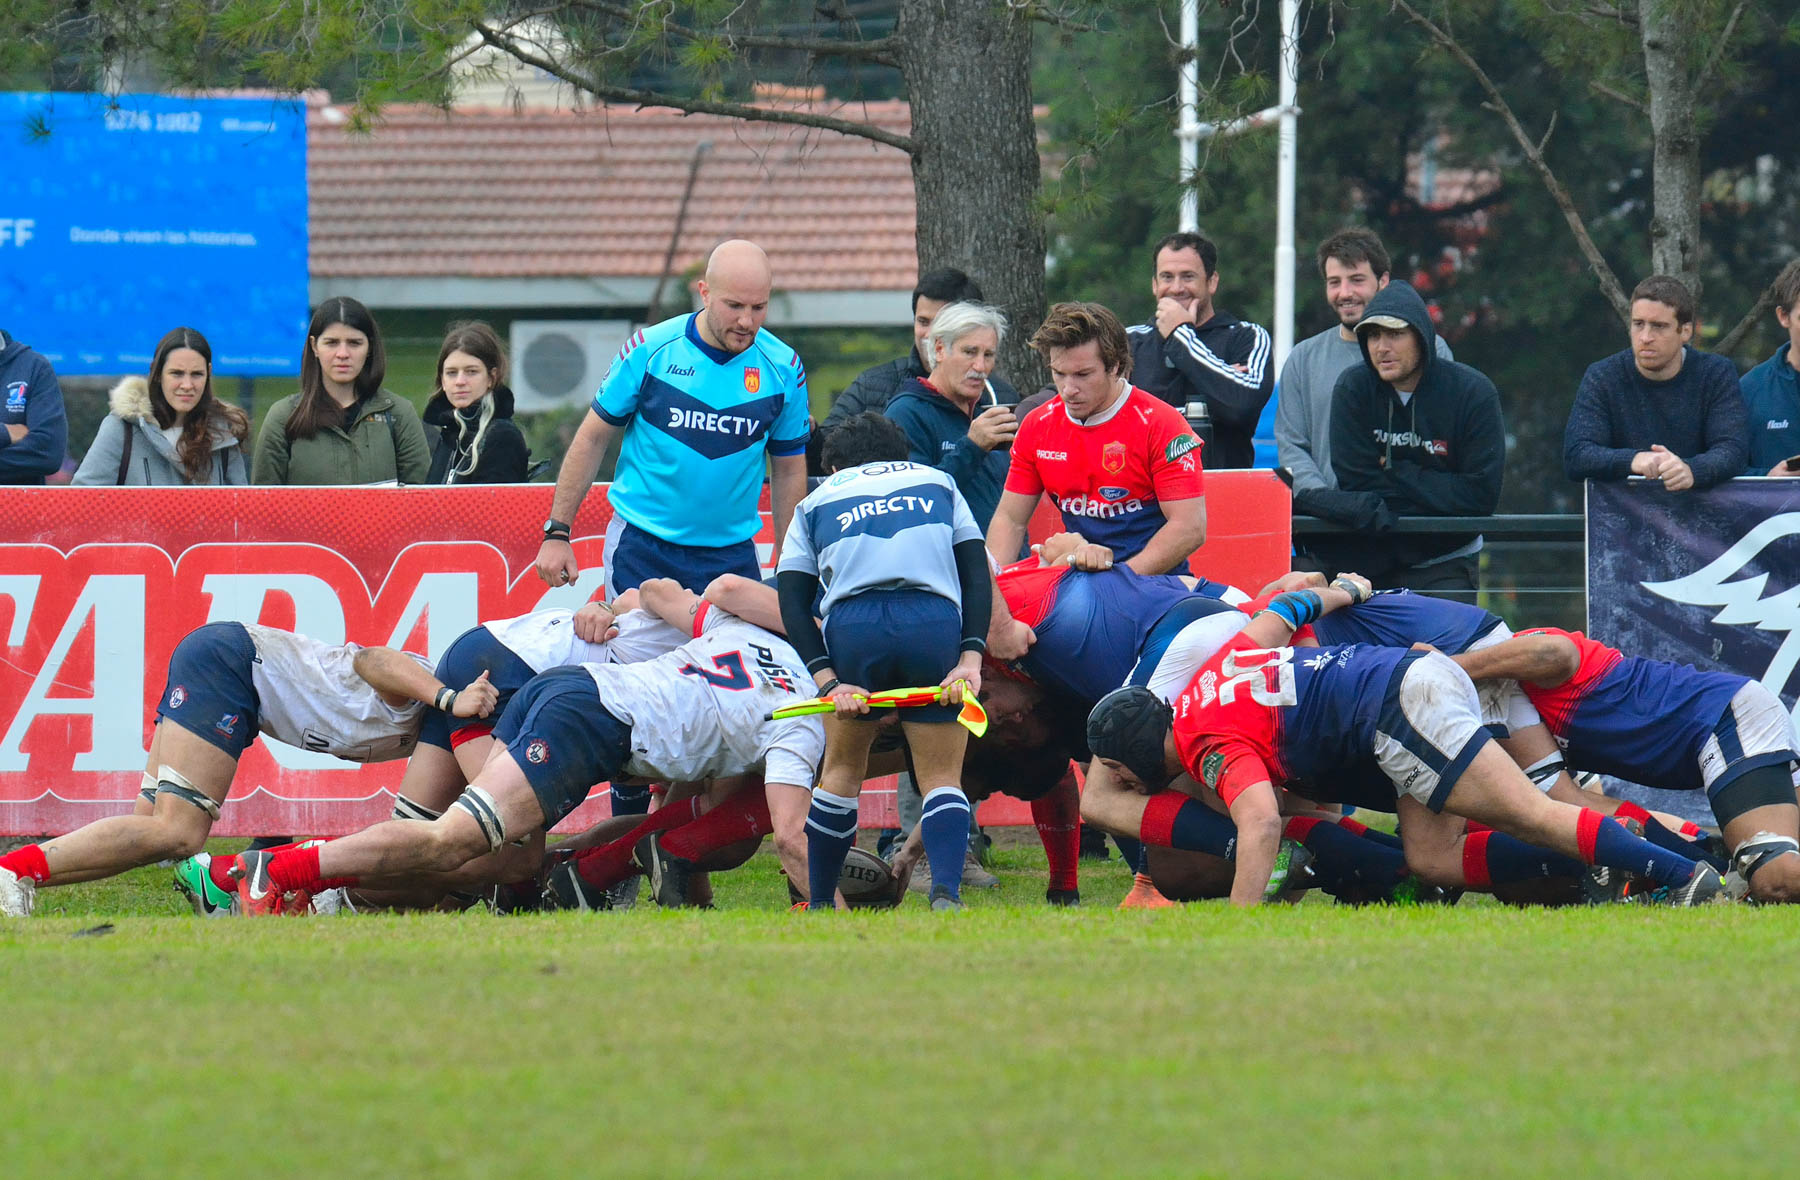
(1423, 436)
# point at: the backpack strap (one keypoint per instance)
(125, 452)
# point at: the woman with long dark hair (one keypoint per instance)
(476, 440)
(342, 427)
(170, 429)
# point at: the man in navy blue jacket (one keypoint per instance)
(1661, 408)
(1772, 389)
(37, 432)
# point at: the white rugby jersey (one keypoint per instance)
(311, 697)
(881, 526)
(546, 639)
(698, 712)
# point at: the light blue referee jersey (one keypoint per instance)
(698, 421)
(881, 526)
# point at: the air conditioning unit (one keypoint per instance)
(557, 363)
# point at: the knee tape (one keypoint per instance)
(481, 805)
(170, 781)
(1759, 850)
(1543, 772)
(405, 808)
(147, 789)
(1763, 787)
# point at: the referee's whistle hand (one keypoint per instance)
(556, 563)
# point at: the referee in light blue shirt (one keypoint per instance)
(699, 398)
(905, 574)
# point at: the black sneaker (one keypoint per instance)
(1602, 885)
(1703, 888)
(565, 889)
(668, 874)
(517, 897)
(1063, 897)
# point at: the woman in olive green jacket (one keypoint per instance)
(342, 427)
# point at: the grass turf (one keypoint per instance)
(1010, 1039)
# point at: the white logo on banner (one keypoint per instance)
(1742, 601)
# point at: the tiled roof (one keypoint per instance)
(538, 193)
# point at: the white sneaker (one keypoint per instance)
(17, 895)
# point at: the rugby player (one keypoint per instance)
(907, 604)
(227, 683)
(1257, 715)
(695, 713)
(1670, 726)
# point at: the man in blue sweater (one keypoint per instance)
(1661, 409)
(36, 433)
(1772, 389)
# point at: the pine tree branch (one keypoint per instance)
(1719, 47)
(882, 50)
(1619, 96)
(1603, 273)
(693, 106)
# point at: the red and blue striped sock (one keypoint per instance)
(1611, 844)
(1494, 858)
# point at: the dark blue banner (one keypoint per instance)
(122, 218)
(1705, 578)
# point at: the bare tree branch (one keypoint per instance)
(1719, 47)
(694, 106)
(1728, 343)
(1636, 104)
(1609, 282)
(880, 50)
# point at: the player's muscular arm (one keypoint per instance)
(1275, 624)
(1006, 532)
(1257, 814)
(1544, 660)
(400, 680)
(1183, 532)
(748, 600)
(787, 487)
(1007, 638)
(670, 601)
(556, 559)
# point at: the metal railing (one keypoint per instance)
(1533, 566)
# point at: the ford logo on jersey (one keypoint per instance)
(1114, 493)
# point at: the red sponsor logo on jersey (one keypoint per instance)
(752, 380)
(1112, 457)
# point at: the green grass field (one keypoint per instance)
(1011, 1039)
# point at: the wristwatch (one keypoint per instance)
(556, 530)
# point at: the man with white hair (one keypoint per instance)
(955, 418)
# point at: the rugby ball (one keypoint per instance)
(865, 881)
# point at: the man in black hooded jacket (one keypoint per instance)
(1420, 435)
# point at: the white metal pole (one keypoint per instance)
(1187, 132)
(1287, 160)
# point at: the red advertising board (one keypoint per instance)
(99, 584)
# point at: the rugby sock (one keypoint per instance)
(1131, 852)
(1630, 810)
(1610, 844)
(1341, 857)
(630, 800)
(610, 863)
(1494, 858)
(944, 825)
(1058, 819)
(1664, 838)
(1173, 820)
(830, 831)
(1691, 830)
(220, 871)
(296, 869)
(741, 817)
(29, 862)
(1385, 839)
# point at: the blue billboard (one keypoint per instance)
(122, 217)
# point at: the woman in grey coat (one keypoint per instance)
(169, 430)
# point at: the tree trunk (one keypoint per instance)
(967, 66)
(1675, 171)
